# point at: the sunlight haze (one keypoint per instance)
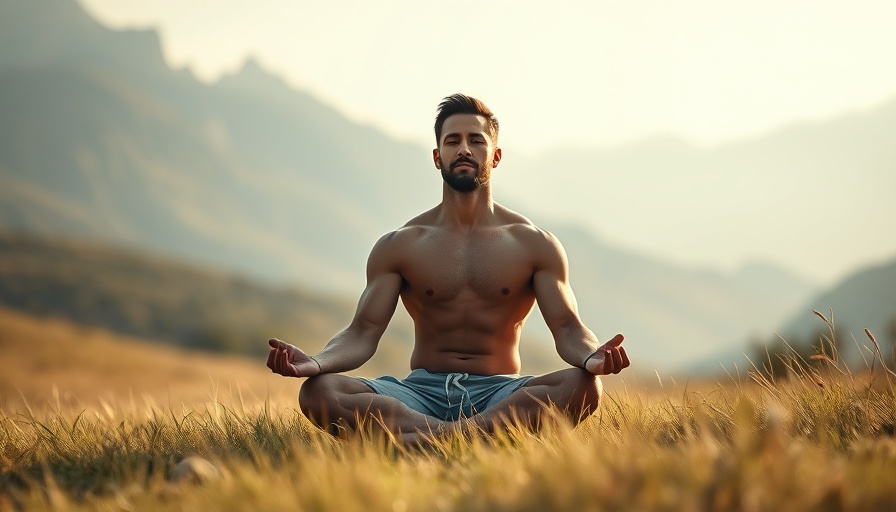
(581, 74)
(598, 72)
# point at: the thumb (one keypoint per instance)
(615, 341)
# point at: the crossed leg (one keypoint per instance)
(337, 403)
(573, 391)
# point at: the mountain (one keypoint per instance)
(157, 298)
(809, 188)
(101, 141)
(172, 302)
(57, 33)
(863, 300)
(99, 138)
(674, 314)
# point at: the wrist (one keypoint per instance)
(585, 362)
(320, 368)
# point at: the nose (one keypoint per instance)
(464, 148)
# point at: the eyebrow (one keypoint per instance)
(484, 135)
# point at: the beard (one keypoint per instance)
(465, 182)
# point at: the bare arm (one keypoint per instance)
(357, 343)
(575, 343)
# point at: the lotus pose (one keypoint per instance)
(469, 272)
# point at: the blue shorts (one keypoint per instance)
(448, 396)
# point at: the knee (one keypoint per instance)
(584, 393)
(589, 390)
(315, 396)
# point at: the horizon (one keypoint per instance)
(706, 73)
(821, 226)
(784, 65)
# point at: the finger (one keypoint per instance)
(281, 361)
(615, 341)
(288, 369)
(271, 355)
(275, 343)
(609, 364)
(617, 360)
(602, 362)
(276, 360)
(625, 361)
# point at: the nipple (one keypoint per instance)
(429, 292)
(505, 291)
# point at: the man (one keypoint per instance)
(469, 272)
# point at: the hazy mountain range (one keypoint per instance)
(796, 194)
(863, 300)
(165, 301)
(100, 140)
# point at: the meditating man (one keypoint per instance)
(469, 272)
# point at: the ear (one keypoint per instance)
(497, 157)
(435, 158)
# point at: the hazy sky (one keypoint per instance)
(595, 73)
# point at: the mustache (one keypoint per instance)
(464, 160)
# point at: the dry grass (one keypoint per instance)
(818, 441)
(54, 363)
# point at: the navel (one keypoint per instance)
(505, 291)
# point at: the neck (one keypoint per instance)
(467, 208)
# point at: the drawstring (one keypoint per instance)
(454, 380)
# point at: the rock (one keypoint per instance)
(195, 470)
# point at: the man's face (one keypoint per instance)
(466, 153)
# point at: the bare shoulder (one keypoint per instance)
(524, 230)
(419, 223)
(393, 244)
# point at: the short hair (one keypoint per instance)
(463, 104)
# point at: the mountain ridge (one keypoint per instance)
(865, 299)
(251, 175)
(782, 196)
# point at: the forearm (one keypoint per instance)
(575, 343)
(347, 351)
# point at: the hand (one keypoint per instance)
(608, 358)
(290, 361)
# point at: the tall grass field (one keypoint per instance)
(819, 437)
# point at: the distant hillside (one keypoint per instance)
(864, 300)
(53, 364)
(159, 299)
(672, 313)
(171, 302)
(813, 187)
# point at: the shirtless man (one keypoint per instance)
(468, 271)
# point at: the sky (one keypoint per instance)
(567, 73)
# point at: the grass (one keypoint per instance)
(801, 448)
(52, 364)
(821, 439)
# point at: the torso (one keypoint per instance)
(469, 291)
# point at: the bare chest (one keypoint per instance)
(487, 264)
